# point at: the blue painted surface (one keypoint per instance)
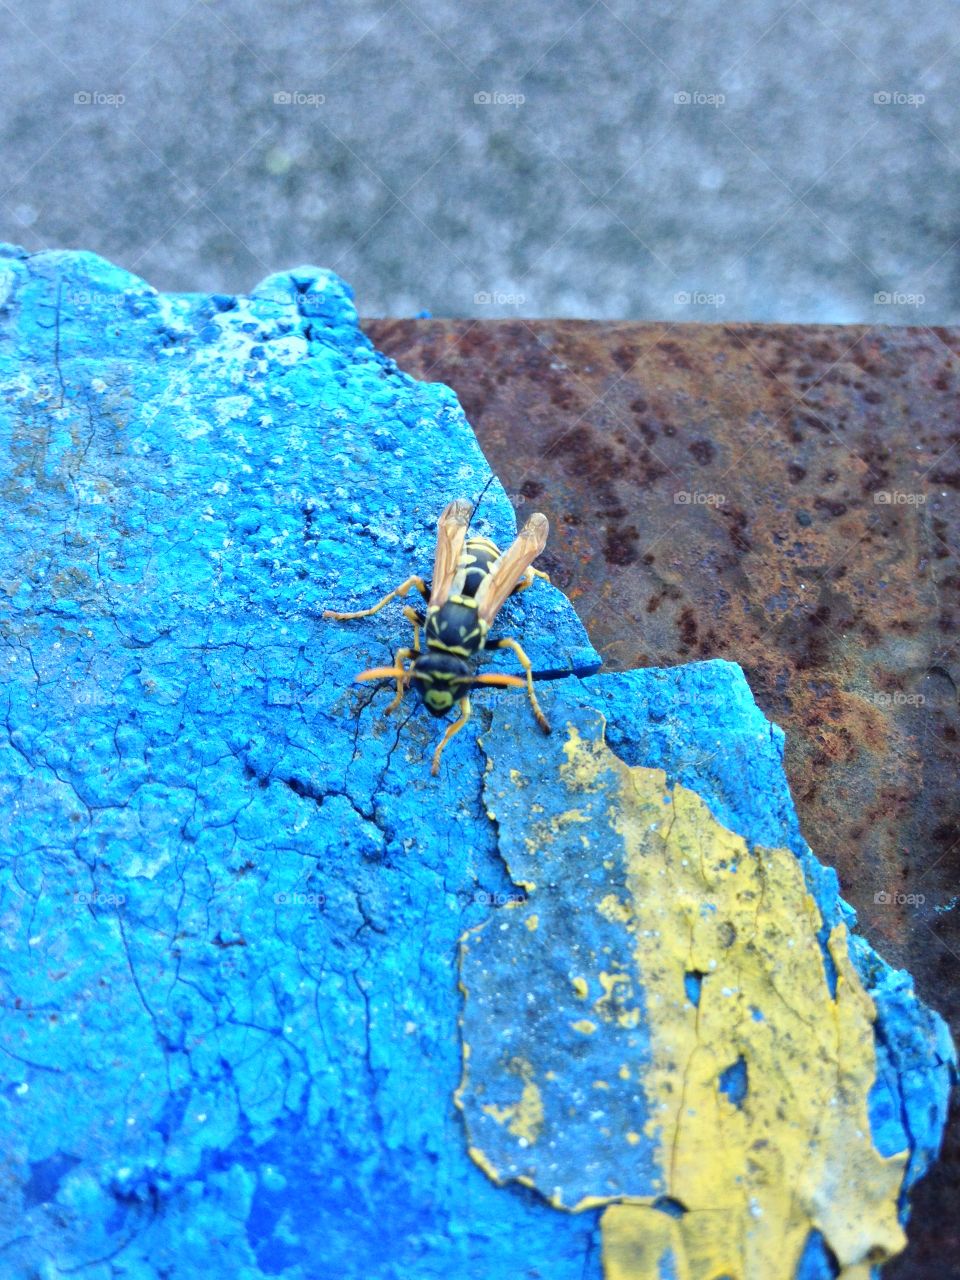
(230, 892)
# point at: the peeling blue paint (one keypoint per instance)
(230, 892)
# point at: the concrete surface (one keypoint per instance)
(798, 196)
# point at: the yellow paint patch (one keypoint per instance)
(524, 1119)
(608, 1007)
(796, 1153)
(532, 923)
(758, 1174)
(612, 909)
(481, 1161)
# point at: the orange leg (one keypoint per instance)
(402, 590)
(402, 655)
(454, 728)
(505, 642)
(528, 579)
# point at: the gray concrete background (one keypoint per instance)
(783, 188)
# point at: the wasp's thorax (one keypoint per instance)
(456, 627)
(441, 680)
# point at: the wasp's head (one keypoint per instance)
(441, 679)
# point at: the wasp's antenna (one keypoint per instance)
(482, 492)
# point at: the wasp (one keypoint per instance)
(471, 580)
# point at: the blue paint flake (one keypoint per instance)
(733, 1081)
(692, 982)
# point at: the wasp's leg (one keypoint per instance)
(528, 579)
(505, 642)
(418, 620)
(454, 728)
(402, 590)
(402, 656)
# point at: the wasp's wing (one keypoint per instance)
(451, 535)
(506, 572)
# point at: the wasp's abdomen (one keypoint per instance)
(475, 561)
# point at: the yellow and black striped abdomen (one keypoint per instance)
(456, 627)
(475, 561)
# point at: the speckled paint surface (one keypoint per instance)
(697, 1029)
(231, 893)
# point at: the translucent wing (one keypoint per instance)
(451, 535)
(506, 572)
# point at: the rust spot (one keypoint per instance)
(702, 451)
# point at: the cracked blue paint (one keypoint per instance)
(230, 892)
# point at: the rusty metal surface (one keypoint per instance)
(785, 497)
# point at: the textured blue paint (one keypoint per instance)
(230, 892)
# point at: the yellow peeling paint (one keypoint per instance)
(542, 833)
(481, 1161)
(524, 1119)
(606, 1006)
(532, 923)
(612, 909)
(796, 1154)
